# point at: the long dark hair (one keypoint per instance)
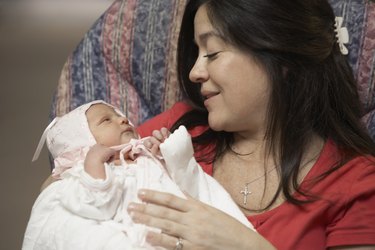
(313, 87)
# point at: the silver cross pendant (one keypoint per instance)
(245, 193)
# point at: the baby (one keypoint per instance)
(102, 163)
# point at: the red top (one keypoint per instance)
(345, 214)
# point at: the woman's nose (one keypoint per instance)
(199, 73)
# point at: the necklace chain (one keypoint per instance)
(240, 154)
(245, 192)
(266, 173)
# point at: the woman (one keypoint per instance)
(275, 116)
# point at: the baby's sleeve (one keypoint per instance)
(91, 198)
(177, 151)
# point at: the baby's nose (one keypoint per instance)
(123, 120)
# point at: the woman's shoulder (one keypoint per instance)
(362, 169)
(330, 173)
(332, 155)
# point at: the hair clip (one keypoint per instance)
(342, 35)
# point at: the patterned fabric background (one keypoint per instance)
(359, 18)
(128, 58)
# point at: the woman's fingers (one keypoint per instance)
(168, 220)
(143, 213)
(166, 199)
(166, 225)
(166, 241)
(188, 218)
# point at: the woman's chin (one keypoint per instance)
(215, 124)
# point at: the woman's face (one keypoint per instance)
(236, 88)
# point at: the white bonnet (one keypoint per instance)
(70, 132)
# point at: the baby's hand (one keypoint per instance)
(95, 159)
(158, 137)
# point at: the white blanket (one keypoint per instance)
(79, 212)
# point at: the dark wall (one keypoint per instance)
(36, 36)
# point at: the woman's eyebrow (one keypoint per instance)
(205, 36)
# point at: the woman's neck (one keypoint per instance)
(250, 146)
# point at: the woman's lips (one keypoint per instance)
(208, 97)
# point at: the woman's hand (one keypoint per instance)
(198, 225)
(48, 182)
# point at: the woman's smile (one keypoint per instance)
(208, 96)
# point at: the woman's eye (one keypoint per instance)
(212, 55)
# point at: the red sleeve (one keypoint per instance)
(357, 223)
(165, 119)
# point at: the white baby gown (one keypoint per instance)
(80, 212)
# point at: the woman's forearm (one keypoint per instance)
(47, 182)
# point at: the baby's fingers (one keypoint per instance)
(153, 144)
(165, 132)
(158, 135)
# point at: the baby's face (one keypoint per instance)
(108, 127)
